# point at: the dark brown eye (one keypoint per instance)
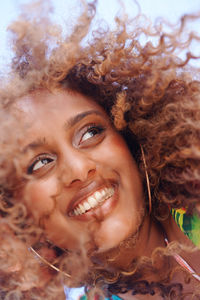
(39, 163)
(91, 132)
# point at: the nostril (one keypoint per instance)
(91, 172)
(75, 181)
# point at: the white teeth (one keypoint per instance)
(78, 210)
(103, 196)
(103, 193)
(81, 207)
(93, 201)
(86, 205)
(98, 196)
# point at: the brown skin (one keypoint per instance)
(69, 162)
(83, 166)
(174, 234)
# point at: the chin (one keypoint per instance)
(120, 235)
(108, 242)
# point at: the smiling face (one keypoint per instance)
(84, 188)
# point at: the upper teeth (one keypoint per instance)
(93, 200)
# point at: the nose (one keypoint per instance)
(77, 167)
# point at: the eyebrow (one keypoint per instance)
(73, 120)
(68, 124)
(35, 144)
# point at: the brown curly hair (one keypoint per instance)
(152, 99)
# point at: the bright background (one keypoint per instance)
(66, 10)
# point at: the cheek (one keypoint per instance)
(38, 197)
(65, 234)
(118, 158)
(117, 150)
(126, 217)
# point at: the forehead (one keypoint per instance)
(42, 114)
(43, 102)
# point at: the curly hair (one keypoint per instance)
(151, 97)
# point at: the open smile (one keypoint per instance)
(97, 200)
(93, 201)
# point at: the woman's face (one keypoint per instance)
(84, 188)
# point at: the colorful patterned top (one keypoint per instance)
(113, 297)
(189, 224)
(79, 294)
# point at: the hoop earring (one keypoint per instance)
(147, 179)
(48, 263)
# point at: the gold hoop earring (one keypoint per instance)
(48, 263)
(147, 179)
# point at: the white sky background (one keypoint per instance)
(171, 10)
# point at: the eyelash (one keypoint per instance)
(38, 159)
(98, 128)
(92, 128)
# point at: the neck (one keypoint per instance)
(150, 237)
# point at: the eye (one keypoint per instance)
(40, 162)
(92, 131)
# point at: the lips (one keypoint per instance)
(90, 198)
(93, 201)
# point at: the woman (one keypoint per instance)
(106, 150)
